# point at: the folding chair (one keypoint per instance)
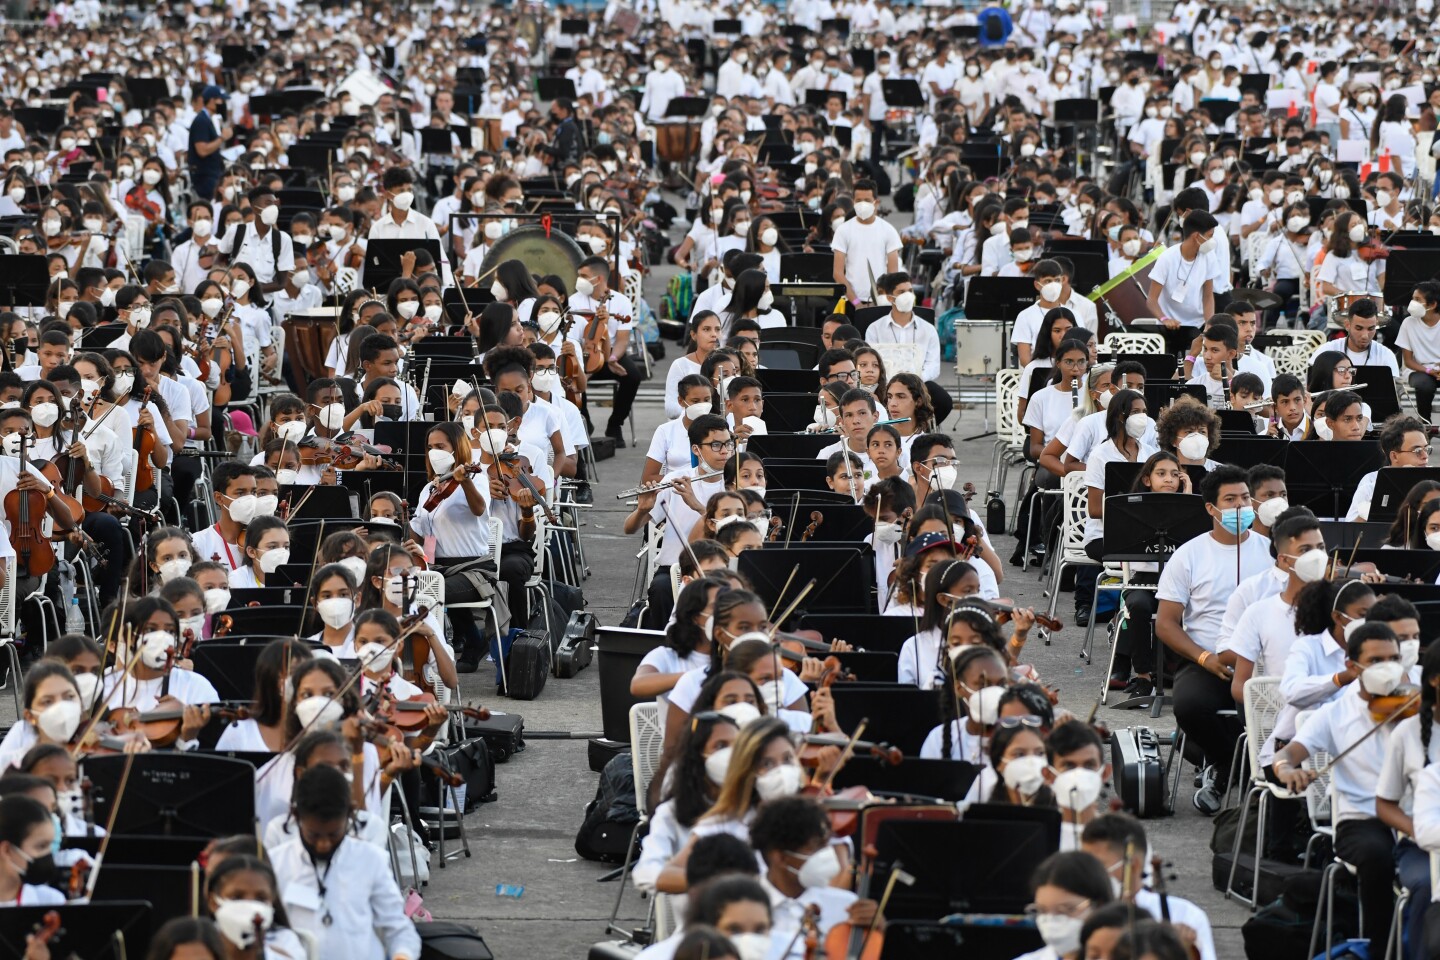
(1071, 549)
(1263, 703)
(647, 743)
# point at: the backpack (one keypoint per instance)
(605, 834)
(992, 26)
(945, 328)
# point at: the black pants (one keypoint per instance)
(517, 564)
(1046, 524)
(1199, 696)
(1424, 386)
(1287, 290)
(662, 601)
(629, 385)
(184, 471)
(941, 401)
(1369, 847)
(1136, 643)
(109, 535)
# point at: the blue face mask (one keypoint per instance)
(603, 136)
(59, 833)
(1114, 231)
(1237, 521)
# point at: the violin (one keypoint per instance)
(444, 488)
(341, 456)
(1371, 249)
(144, 444)
(1004, 612)
(596, 338)
(137, 200)
(884, 752)
(774, 534)
(409, 715)
(518, 474)
(385, 736)
(816, 518)
(161, 726)
(1401, 704)
(66, 474)
(49, 926)
(25, 509)
(566, 365)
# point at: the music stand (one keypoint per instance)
(1148, 527)
(872, 632)
(791, 412)
(1236, 422)
(1321, 473)
(314, 502)
(283, 621)
(938, 779)
(229, 664)
(382, 259)
(1159, 394)
(999, 298)
(166, 888)
(870, 667)
(1377, 386)
(845, 521)
(969, 866)
(1403, 270)
(844, 578)
(1392, 484)
(1120, 476)
(956, 937)
(1421, 565)
(901, 716)
(808, 268)
(619, 651)
(1345, 535)
(796, 474)
(548, 89)
(24, 280)
(113, 930)
(905, 94)
(173, 794)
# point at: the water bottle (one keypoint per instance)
(74, 619)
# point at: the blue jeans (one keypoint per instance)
(1413, 866)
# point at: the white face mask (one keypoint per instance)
(864, 209)
(1024, 774)
(292, 430)
(265, 504)
(319, 713)
(217, 599)
(494, 441)
(89, 685)
(549, 321)
(751, 946)
(1077, 788)
(45, 414)
(271, 560)
(356, 565)
(1050, 292)
(60, 720)
(211, 307)
(945, 477)
(773, 691)
(905, 302)
(1432, 540)
(1415, 308)
(887, 533)
(238, 288)
(584, 286)
(1060, 933)
(718, 762)
(17, 194)
(151, 177)
(819, 869)
(332, 416)
(1207, 245)
(1409, 654)
(1357, 232)
(696, 410)
(824, 416)
(238, 919)
(769, 236)
(766, 301)
(155, 648)
(441, 461)
(287, 477)
(395, 590)
(269, 215)
(192, 626)
(402, 201)
(784, 781)
(984, 705)
(202, 228)
(1217, 176)
(408, 309)
(376, 656)
(1137, 425)
(742, 712)
(171, 569)
(546, 380)
(1380, 679)
(498, 291)
(1271, 509)
(1193, 446)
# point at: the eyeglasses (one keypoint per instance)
(1074, 362)
(719, 446)
(1418, 450)
(1029, 720)
(845, 375)
(1077, 909)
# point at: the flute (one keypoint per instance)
(627, 494)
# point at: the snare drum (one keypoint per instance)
(1339, 306)
(677, 142)
(979, 346)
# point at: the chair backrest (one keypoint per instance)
(1119, 342)
(132, 460)
(1263, 703)
(7, 600)
(1007, 391)
(430, 589)
(1072, 532)
(1294, 359)
(497, 540)
(1319, 796)
(647, 742)
(675, 581)
(667, 919)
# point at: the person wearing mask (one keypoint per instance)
(1419, 344)
(1194, 586)
(1182, 280)
(1405, 442)
(1068, 888)
(865, 247)
(613, 315)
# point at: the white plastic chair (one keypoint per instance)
(1263, 704)
(675, 584)
(1129, 342)
(647, 743)
(8, 633)
(1009, 434)
(262, 388)
(1074, 498)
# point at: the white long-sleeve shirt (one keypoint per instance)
(356, 891)
(916, 331)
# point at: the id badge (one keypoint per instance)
(1180, 292)
(299, 895)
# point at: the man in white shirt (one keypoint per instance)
(1182, 280)
(661, 86)
(1195, 584)
(865, 247)
(594, 297)
(1360, 343)
(1404, 441)
(730, 78)
(995, 250)
(258, 242)
(902, 326)
(400, 222)
(1361, 839)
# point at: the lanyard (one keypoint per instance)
(325, 918)
(225, 543)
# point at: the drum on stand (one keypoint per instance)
(1126, 295)
(677, 142)
(1338, 307)
(979, 347)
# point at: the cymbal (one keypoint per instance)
(1259, 299)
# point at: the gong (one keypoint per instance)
(542, 255)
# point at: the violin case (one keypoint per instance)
(1139, 771)
(527, 665)
(446, 940)
(576, 645)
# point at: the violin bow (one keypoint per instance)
(684, 540)
(845, 754)
(310, 580)
(794, 508)
(897, 875)
(799, 598)
(783, 590)
(1409, 702)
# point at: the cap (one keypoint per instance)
(240, 422)
(953, 500)
(212, 92)
(926, 541)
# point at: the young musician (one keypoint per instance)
(234, 485)
(1405, 442)
(1068, 887)
(266, 542)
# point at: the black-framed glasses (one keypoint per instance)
(719, 446)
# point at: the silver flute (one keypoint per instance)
(635, 492)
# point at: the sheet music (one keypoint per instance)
(901, 357)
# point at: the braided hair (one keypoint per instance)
(952, 669)
(1429, 673)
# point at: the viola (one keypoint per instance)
(25, 509)
(518, 474)
(144, 443)
(444, 488)
(341, 456)
(137, 200)
(596, 338)
(1402, 704)
(566, 365)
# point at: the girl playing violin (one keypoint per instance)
(975, 676)
(52, 762)
(27, 862)
(167, 556)
(266, 542)
(333, 593)
(51, 712)
(377, 643)
(188, 599)
(264, 731)
(390, 586)
(243, 898)
(143, 675)
(722, 505)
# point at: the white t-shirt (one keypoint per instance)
(1107, 452)
(687, 688)
(1201, 575)
(1182, 283)
(1405, 757)
(1422, 341)
(1048, 409)
(867, 248)
(1334, 728)
(670, 445)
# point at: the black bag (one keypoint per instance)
(575, 653)
(503, 733)
(538, 620)
(995, 515)
(1139, 771)
(527, 664)
(631, 620)
(611, 817)
(1281, 929)
(242, 383)
(471, 760)
(446, 940)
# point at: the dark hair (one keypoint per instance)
(1392, 433)
(787, 824)
(683, 636)
(1222, 476)
(1317, 601)
(183, 930)
(1407, 516)
(249, 864)
(1429, 670)
(999, 741)
(1074, 872)
(710, 900)
(1185, 414)
(1070, 736)
(1109, 917)
(1043, 349)
(322, 792)
(1119, 411)
(703, 942)
(1290, 527)
(349, 700)
(689, 787)
(1149, 940)
(1363, 634)
(716, 854)
(19, 815)
(276, 660)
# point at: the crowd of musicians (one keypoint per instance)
(180, 183)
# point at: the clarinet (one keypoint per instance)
(1074, 394)
(1225, 379)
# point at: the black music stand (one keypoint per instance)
(284, 621)
(382, 259)
(174, 794)
(229, 664)
(166, 888)
(905, 94)
(870, 667)
(794, 446)
(807, 268)
(1249, 451)
(844, 578)
(999, 298)
(1377, 388)
(1403, 270)
(1391, 486)
(1149, 527)
(899, 715)
(791, 412)
(24, 280)
(969, 866)
(956, 937)
(619, 651)
(806, 474)
(1120, 476)
(875, 631)
(554, 88)
(1236, 422)
(1421, 565)
(314, 502)
(944, 780)
(1159, 394)
(112, 930)
(1322, 474)
(1345, 535)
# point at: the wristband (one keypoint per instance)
(1204, 655)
